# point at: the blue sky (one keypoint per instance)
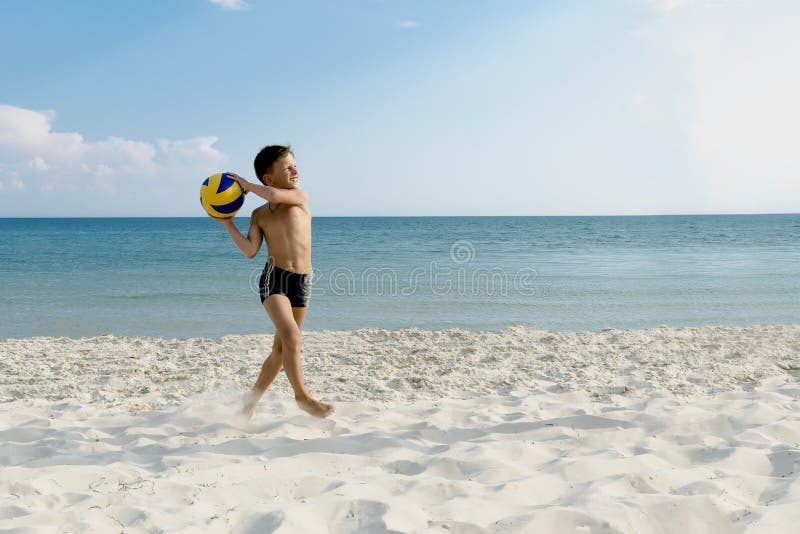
(446, 107)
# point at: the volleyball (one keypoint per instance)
(221, 196)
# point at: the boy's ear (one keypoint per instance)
(266, 180)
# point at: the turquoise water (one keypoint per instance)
(183, 277)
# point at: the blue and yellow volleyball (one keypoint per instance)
(221, 196)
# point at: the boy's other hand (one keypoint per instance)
(221, 220)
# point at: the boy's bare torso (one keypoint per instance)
(287, 231)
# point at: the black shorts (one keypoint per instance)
(277, 281)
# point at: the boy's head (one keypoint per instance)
(267, 162)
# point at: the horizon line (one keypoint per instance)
(402, 216)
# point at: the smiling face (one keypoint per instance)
(283, 173)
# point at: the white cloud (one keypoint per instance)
(24, 132)
(408, 24)
(231, 4)
(33, 157)
(189, 151)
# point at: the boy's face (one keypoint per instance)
(284, 173)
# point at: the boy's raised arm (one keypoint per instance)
(273, 194)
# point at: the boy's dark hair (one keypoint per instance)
(267, 156)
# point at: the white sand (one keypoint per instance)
(685, 430)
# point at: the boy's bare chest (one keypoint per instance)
(287, 219)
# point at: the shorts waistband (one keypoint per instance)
(277, 270)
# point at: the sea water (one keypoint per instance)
(184, 277)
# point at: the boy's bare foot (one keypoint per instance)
(314, 407)
(251, 399)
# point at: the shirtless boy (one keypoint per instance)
(284, 222)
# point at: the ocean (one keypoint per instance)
(184, 277)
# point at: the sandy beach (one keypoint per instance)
(684, 430)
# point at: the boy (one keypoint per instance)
(284, 222)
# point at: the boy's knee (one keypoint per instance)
(273, 359)
(292, 340)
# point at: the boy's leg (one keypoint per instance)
(274, 362)
(283, 317)
(269, 370)
(271, 367)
